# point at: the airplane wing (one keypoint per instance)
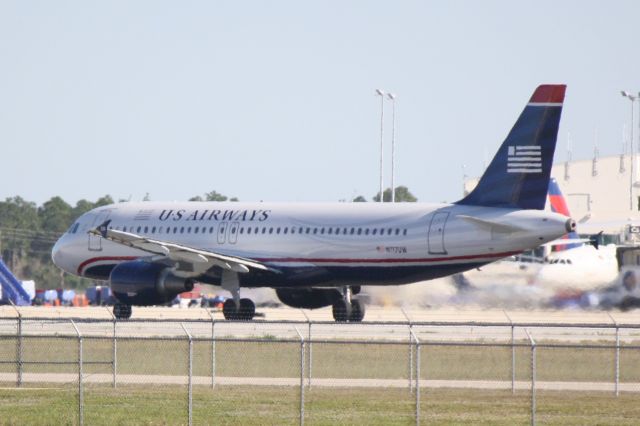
(201, 260)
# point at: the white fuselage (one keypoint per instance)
(315, 244)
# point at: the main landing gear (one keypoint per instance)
(348, 308)
(121, 311)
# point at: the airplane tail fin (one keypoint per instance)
(518, 176)
(559, 205)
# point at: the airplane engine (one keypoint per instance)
(144, 284)
(308, 298)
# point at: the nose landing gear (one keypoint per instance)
(244, 310)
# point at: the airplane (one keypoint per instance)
(320, 254)
(576, 264)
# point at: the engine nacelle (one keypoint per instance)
(308, 298)
(144, 284)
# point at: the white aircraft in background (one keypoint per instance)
(573, 264)
(318, 255)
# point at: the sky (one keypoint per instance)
(276, 100)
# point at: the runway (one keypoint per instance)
(381, 324)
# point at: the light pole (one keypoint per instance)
(380, 93)
(392, 98)
(632, 98)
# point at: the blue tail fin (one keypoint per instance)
(518, 176)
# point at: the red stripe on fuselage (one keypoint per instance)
(87, 262)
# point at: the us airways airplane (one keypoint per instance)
(318, 255)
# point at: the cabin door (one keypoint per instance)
(435, 238)
(95, 241)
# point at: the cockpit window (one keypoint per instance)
(74, 228)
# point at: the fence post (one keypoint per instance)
(189, 382)
(513, 354)
(213, 350)
(410, 348)
(417, 377)
(301, 376)
(617, 357)
(18, 345)
(533, 377)
(80, 387)
(114, 355)
(309, 349)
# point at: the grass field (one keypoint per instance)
(247, 405)
(151, 404)
(329, 360)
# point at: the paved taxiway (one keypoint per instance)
(442, 324)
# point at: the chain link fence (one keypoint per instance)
(81, 371)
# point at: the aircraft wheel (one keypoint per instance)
(230, 310)
(122, 311)
(341, 310)
(357, 310)
(247, 309)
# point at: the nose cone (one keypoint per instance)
(61, 256)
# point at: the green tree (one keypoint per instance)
(103, 201)
(359, 199)
(55, 215)
(213, 196)
(403, 195)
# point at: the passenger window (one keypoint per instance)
(389, 231)
(195, 230)
(264, 230)
(124, 228)
(315, 230)
(153, 230)
(404, 232)
(308, 230)
(353, 230)
(375, 231)
(329, 231)
(344, 231)
(233, 229)
(175, 229)
(139, 229)
(271, 230)
(397, 231)
(278, 230)
(366, 231)
(182, 229)
(359, 231)
(286, 230)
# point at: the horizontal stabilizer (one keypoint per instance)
(491, 225)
